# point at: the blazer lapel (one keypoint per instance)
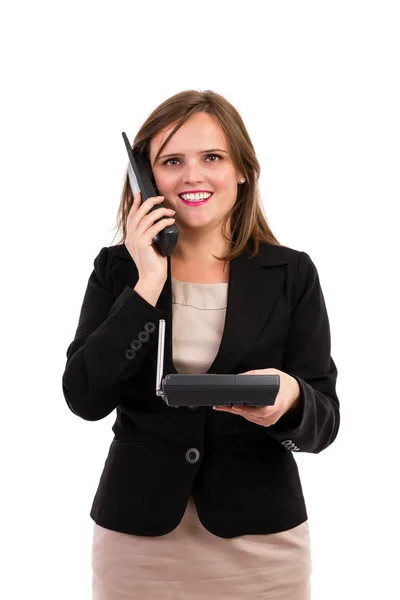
(253, 288)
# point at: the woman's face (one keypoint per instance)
(194, 169)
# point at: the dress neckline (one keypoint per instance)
(194, 283)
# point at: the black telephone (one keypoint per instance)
(194, 390)
(141, 179)
(209, 389)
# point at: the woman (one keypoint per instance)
(195, 502)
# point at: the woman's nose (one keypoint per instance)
(193, 172)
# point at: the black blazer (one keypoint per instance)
(244, 477)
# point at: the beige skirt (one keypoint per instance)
(191, 563)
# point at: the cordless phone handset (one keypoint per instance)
(140, 176)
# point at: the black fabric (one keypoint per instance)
(246, 480)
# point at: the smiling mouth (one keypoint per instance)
(196, 202)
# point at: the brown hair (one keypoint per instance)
(248, 220)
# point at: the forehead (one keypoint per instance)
(200, 132)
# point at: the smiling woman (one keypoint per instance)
(195, 502)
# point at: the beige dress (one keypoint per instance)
(191, 563)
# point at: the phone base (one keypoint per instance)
(212, 389)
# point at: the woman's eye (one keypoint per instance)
(170, 159)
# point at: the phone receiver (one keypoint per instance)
(141, 179)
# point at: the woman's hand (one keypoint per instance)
(141, 227)
(288, 396)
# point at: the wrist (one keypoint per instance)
(295, 395)
(150, 289)
(152, 279)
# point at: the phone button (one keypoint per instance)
(192, 407)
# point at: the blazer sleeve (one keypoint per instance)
(100, 359)
(314, 424)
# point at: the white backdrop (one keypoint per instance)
(317, 84)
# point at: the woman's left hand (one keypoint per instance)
(288, 395)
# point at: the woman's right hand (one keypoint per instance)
(140, 230)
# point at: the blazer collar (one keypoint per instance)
(253, 288)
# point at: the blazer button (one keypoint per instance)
(144, 336)
(150, 327)
(130, 354)
(192, 407)
(136, 345)
(192, 455)
(289, 445)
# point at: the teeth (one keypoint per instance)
(195, 197)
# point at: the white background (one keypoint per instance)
(317, 84)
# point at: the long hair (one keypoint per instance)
(248, 221)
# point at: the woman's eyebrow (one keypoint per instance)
(201, 152)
